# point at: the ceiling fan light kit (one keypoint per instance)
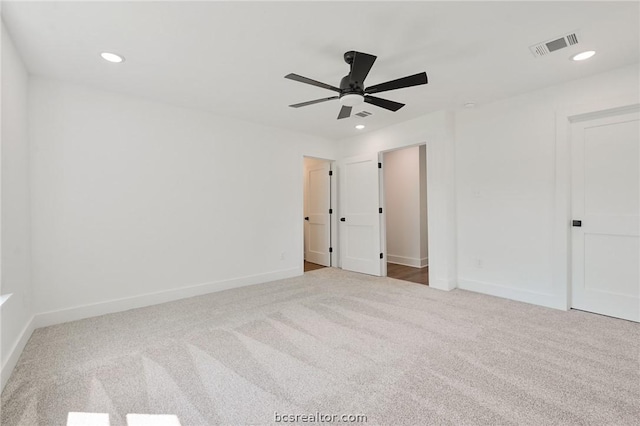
(351, 99)
(352, 91)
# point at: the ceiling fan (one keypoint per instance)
(352, 91)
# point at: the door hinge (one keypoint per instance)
(379, 165)
(381, 256)
(330, 249)
(380, 210)
(330, 172)
(330, 211)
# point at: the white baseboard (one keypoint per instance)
(527, 296)
(16, 351)
(118, 305)
(408, 261)
(442, 284)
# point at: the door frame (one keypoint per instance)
(383, 203)
(334, 255)
(561, 253)
(437, 131)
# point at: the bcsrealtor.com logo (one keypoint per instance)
(318, 417)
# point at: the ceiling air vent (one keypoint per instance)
(363, 114)
(546, 47)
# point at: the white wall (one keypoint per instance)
(132, 198)
(492, 179)
(15, 278)
(437, 131)
(506, 183)
(405, 193)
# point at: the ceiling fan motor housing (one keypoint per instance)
(348, 86)
(351, 93)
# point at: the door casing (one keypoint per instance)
(383, 223)
(561, 252)
(600, 220)
(317, 212)
(334, 256)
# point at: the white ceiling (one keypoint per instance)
(230, 57)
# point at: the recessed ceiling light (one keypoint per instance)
(584, 55)
(470, 105)
(360, 126)
(112, 57)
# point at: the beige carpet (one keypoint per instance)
(336, 343)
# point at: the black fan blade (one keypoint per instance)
(383, 103)
(345, 112)
(412, 80)
(317, 101)
(302, 79)
(362, 63)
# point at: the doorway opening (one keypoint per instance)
(404, 189)
(318, 213)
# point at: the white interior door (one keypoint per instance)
(605, 198)
(317, 218)
(359, 192)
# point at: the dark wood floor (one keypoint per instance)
(407, 273)
(308, 266)
(399, 272)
